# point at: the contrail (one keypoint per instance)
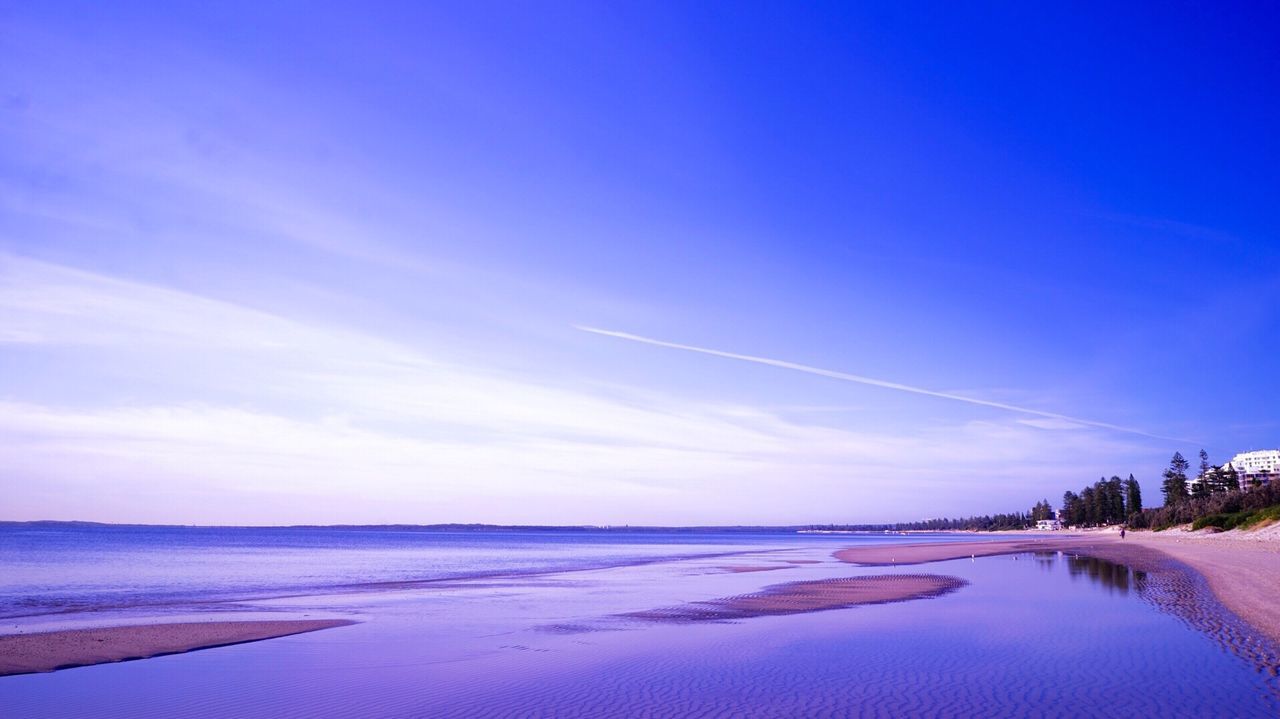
(846, 377)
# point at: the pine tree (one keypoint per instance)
(1216, 480)
(1133, 495)
(1115, 501)
(1202, 486)
(1199, 487)
(1089, 498)
(1070, 509)
(1174, 486)
(1230, 478)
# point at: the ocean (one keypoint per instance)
(65, 567)
(544, 623)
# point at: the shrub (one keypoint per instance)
(1232, 520)
(1221, 521)
(1214, 510)
(1263, 516)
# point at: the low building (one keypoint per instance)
(1256, 467)
(1048, 525)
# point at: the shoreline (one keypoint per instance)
(1240, 573)
(64, 649)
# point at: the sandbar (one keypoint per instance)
(895, 554)
(48, 651)
(811, 596)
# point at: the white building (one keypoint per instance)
(1048, 525)
(1262, 465)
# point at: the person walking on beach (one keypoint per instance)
(1122, 532)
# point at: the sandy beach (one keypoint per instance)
(1242, 569)
(47, 651)
(895, 554)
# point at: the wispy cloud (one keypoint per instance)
(858, 379)
(212, 411)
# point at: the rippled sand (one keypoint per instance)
(1229, 594)
(1242, 571)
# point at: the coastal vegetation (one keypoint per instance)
(1214, 498)
(1241, 520)
(1226, 509)
(1107, 501)
(977, 523)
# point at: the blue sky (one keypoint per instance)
(318, 264)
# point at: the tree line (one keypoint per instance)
(1215, 496)
(1108, 501)
(977, 523)
(1210, 481)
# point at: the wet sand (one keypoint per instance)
(47, 651)
(814, 596)
(1242, 574)
(894, 554)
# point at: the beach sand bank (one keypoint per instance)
(895, 554)
(47, 651)
(1241, 568)
(814, 596)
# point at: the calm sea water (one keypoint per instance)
(63, 567)
(1033, 635)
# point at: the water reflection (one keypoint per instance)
(1175, 589)
(1115, 578)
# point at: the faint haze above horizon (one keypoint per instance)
(312, 264)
